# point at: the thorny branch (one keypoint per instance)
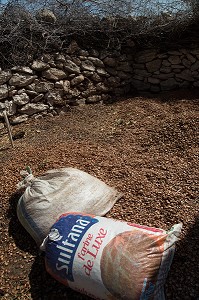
(30, 28)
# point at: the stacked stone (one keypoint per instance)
(79, 77)
(156, 72)
(60, 80)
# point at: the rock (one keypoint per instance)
(5, 76)
(87, 73)
(143, 73)
(186, 63)
(96, 77)
(145, 56)
(82, 57)
(195, 66)
(111, 71)
(96, 61)
(153, 80)
(60, 58)
(31, 93)
(164, 76)
(11, 93)
(165, 70)
(3, 91)
(102, 72)
(54, 74)
(81, 101)
(73, 93)
(155, 89)
(77, 80)
(66, 86)
(39, 65)
(185, 75)
(109, 61)
(93, 99)
(83, 52)
(154, 65)
(113, 81)
(43, 86)
(33, 108)
(105, 97)
(163, 55)
(100, 87)
(191, 58)
(25, 70)
(177, 67)
(1, 126)
(46, 15)
(140, 85)
(124, 75)
(2, 105)
(174, 60)
(52, 64)
(59, 84)
(166, 63)
(21, 99)
(125, 67)
(174, 52)
(19, 119)
(94, 53)
(169, 84)
(21, 91)
(196, 84)
(71, 67)
(87, 65)
(138, 77)
(37, 98)
(38, 117)
(89, 92)
(21, 80)
(77, 61)
(55, 98)
(59, 65)
(103, 54)
(139, 66)
(10, 108)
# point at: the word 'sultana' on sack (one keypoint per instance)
(60, 190)
(108, 259)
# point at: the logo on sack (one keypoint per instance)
(63, 241)
(54, 235)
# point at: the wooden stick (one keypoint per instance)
(8, 127)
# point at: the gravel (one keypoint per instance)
(147, 147)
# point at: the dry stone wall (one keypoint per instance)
(54, 82)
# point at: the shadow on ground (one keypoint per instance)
(42, 285)
(181, 280)
(184, 280)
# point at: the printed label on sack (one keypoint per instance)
(105, 258)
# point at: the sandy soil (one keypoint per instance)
(147, 147)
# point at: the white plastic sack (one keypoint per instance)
(59, 191)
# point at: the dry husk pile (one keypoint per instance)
(146, 147)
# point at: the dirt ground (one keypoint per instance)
(146, 147)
